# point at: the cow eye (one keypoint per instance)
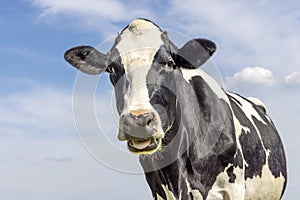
(115, 73)
(171, 62)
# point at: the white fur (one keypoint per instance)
(248, 109)
(258, 187)
(266, 187)
(137, 47)
(257, 101)
(168, 193)
(188, 74)
(195, 193)
(223, 189)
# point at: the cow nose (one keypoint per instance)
(136, 125)
(140, 120)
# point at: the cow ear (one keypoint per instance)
(194, 53)
(87, 59)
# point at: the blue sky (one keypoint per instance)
(42, 156)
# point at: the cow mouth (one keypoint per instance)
(144, 146)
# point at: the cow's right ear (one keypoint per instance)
(194, 53)
(87, 59)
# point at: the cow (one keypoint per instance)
(194, 139)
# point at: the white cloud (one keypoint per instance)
(14, 50)
(293, 80)
(40, 149)
(251, 77)
(40, 169)
(43, 111)
(59, 159)
(244, 32)
(100, 15)
(87, 8)
(36, 111)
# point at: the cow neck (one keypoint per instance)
(191, 158)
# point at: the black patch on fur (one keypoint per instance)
(238, 160)
(272, 142)
(253, 151)
(161, 87)
(211, 108)
(189, 167)
(199, 170)
(115, 66)
(117, 76)
(168, 176)
(234, 99)
(231, 175)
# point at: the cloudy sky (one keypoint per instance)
(42, 156)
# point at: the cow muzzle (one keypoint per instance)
(142, 131)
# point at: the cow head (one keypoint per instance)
(141, 65)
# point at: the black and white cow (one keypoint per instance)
(195, 140)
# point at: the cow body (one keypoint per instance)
(195, 140)
(248, 161)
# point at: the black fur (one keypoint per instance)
(200, 170)
(252, 147)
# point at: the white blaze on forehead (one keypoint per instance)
(139, 35)
(137, 47)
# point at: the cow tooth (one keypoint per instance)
(141, 144)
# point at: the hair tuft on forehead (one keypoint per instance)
(142, 24)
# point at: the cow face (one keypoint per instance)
(141, 65)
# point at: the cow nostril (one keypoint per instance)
(144, 120)
(148, 122)
(149, 118)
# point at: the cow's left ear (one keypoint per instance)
(87, 59)
(194, 53)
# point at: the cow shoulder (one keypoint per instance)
(217, 129)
